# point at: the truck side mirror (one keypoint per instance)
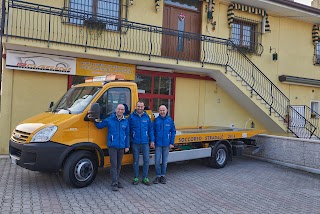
(51, 105)
(94, 112)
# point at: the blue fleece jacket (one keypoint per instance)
(118, 131)
(164, 131)
(141, 130)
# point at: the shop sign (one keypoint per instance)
(39, 62)
(89, 67)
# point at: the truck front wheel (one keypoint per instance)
(219, 157)
(80, 169)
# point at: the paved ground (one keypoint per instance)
(244, 186)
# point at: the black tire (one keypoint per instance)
(219, 157)
(80, 169)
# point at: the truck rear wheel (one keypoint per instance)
(80, 169)
(219, 157)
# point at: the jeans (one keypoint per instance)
(115, 161)
(161, 151)
(136, 148)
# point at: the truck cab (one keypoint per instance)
(65, 139)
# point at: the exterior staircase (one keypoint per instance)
(268, 95)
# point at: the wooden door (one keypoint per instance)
(181, 33)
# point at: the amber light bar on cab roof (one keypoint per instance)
(109, 77)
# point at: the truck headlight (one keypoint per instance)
(44, 134)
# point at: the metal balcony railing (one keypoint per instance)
(51, 25)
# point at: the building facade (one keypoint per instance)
(235, 63)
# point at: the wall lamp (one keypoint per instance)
(252, 125)
(275, 54)
(299, 81)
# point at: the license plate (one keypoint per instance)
(13, 159)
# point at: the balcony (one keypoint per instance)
(51, 25)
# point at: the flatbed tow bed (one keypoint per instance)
(215, 145)
(212, 133)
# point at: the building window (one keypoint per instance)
(314, 108)
(246, 34)
(156, 89)
(180, 45)
(186, 4)
(317, 54)
(90, 11)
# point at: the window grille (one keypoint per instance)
(246, 34)
(107, 12)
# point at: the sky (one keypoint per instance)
(307, 2)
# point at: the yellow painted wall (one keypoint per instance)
(204, 103)
(26, 94)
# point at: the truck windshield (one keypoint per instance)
(76, 100)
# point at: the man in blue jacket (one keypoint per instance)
(165, 132)
(118, 142)
(141, 133)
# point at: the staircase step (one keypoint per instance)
(234, 74)
(229, 69)
(248, 88)
(258, 97)
(243, 83)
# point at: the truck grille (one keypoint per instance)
(19, 136)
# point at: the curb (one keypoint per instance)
(290, 165)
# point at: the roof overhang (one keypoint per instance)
(285, 8)
(299, 81)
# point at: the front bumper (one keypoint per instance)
(46, 156)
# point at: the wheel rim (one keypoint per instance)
(221, 156)
(83, 170)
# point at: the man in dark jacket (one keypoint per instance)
(118, 142)
(165, 132)
(141, 133)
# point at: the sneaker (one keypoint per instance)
(120, 186)
(163, 180)
(146, 181)
(135, 181)
(114, 187)
(157, 180)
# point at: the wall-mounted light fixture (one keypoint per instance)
(252, 125)
(275, 54)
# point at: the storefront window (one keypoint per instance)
(163, 85)
(144, 83)
(156, 89)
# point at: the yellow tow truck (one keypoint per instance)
(64, 138)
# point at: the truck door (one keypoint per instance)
(108, 103)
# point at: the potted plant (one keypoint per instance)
(245, 50)
(94, 24)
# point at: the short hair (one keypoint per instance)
(140, 102)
